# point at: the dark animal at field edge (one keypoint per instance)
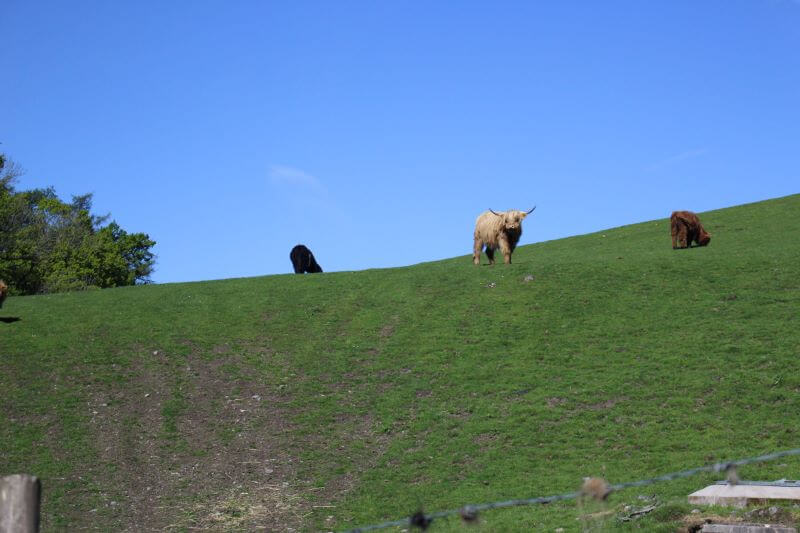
(685, 227)
(303, 260)
(3, 294)
(498, 231)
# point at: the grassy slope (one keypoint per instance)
(265, 401)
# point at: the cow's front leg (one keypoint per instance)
(505, 247)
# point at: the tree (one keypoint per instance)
(47, 245)
(19, 233)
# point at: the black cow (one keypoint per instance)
(303, 260)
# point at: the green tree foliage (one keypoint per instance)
(47, 245)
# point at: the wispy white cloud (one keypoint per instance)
(302, 192)
(284, 175)
(677, 158)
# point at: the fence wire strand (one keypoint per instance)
(470, 512)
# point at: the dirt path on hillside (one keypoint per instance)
(195, 448)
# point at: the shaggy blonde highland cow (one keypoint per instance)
(498, 230)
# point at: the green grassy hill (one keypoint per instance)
(343, 399)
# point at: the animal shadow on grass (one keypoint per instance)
(9, 319)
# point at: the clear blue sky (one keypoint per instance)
(376, 131)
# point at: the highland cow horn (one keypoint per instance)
(495, 213)
(531, 211)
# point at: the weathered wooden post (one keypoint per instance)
(19, 503)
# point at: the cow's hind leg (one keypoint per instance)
(477, 247)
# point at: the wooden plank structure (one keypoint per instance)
(744, 493)
(19, 503)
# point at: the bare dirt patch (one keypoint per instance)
(198, 442)
(485, 440)
(598, 406)
(388, 329)
(555, 402)
(607, 404)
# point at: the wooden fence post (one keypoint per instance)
(19, 503)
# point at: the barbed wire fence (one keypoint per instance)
(596, 488)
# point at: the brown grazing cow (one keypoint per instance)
(685, 228)
(498, 230)
(3, 291)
